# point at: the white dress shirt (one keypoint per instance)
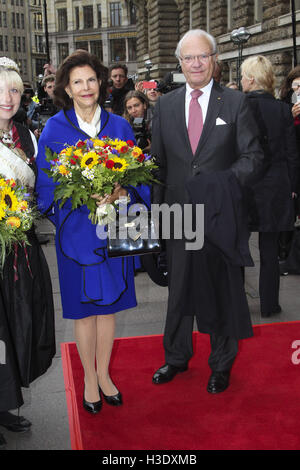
(202, 100)
(91, 128)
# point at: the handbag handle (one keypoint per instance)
(138, 197)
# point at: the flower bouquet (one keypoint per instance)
(94, 166)
(16, 215)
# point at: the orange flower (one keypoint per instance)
(13, 222)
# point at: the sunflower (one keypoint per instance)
(120, 164)
(89, 160)
(9, 198)
(2, 210)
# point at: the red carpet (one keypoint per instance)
(260, 409)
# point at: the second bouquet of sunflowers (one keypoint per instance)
(16, 215)
(94, 166)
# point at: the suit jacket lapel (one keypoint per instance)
(213, 110)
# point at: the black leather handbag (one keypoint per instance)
(133, 235)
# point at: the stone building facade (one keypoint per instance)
(22, 35)
(162, 22)
(103, 27)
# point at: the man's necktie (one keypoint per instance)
(195, 124)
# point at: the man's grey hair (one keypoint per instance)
(198, 33)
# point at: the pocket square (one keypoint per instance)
(220, 122)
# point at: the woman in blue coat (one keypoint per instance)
(92, 286)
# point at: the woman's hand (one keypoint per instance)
(110, 198)
(296, 109)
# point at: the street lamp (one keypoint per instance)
(239, 37)
(46, 32)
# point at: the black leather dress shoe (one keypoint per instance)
(270, 314)
(114, 400)
(92, 407)
(166, 373)
(218, 382)
(13, 422)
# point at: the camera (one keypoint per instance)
(141, 132)
(172, 81)
(44, 111)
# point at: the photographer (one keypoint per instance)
(46, 109)
(139, 115)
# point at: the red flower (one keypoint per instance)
(110, 164)
(141, 158)
(130, 143)
(80, 144)
(124, 149)
(73, 161)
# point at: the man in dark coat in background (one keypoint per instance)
(226, 139)
(121, 85)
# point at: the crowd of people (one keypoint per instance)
(212, 143)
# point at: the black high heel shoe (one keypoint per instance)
(92, 407)
(114, 400)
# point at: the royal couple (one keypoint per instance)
(206, 145)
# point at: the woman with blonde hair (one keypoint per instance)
(270, 201)
(26, 304)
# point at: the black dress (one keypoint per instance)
(26, 312)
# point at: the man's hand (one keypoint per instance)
(49, 69)
(296, 109)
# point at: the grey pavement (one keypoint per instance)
(45, 401)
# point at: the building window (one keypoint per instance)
(132, 49)
(38, 21)
(22, 21)
(63, 51)
(1, 43)
(88, 18)
(82, 45)
(62, 19)
(99, 16)
(96, 49)
(115, 14)
(23, 44)
(77, 23)
(132, 12)
(39, 43)
(39, 63)
(117, 50)
(13, 20)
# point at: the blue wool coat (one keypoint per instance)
(90, 282)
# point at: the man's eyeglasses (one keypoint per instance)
(295, 85)
(190, 59)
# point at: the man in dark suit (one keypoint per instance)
(192, 134)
